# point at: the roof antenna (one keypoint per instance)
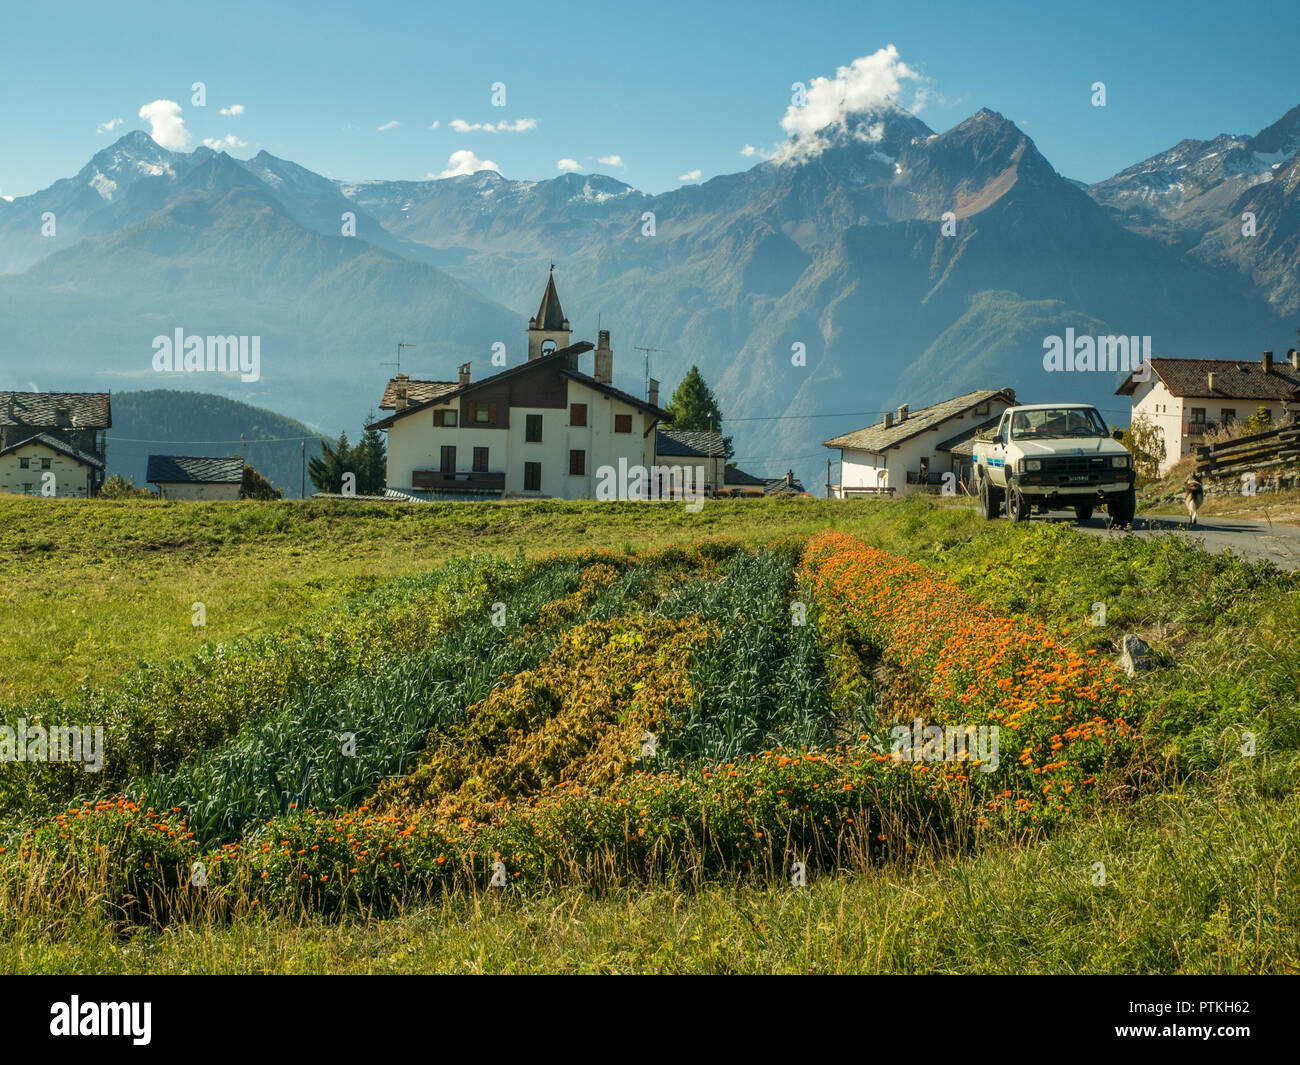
(398, 363)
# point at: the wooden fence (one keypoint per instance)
(1249, 454)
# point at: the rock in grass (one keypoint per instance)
(1136, 655)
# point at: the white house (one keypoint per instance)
(196, 477)
(543, 428)
(912, 451)
(699, 448)
(1186, 398)
(54, 443)
(48, 465)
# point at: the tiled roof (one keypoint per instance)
(690, 443)
(85, 410)
(1233, 379)
(741, 479)
(879, 437)
(561, 355)
(191, 469)
(54, 443)
(416, 392)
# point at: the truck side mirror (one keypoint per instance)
(1117, 435)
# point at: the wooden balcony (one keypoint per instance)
(437, 481)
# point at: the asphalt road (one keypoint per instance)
(1280, 544)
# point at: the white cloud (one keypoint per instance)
(690, 175)
(7, 199)
(389, 125)
(233, 111)
(519, 125)
(433, 124)
(613, 160)
(750, 152)
(166, 126)
(568, 165)
(223, 144)
(109, 126)
(466, 162)
(867, 84)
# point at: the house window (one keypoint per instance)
(577, 463)
(1196, 414)
(532, 476)
(480, 460)
(27, 488)
(578, 414)
(482, 412)
(24, 464)
(533, 429)
(448, 460)
(622, 423)
(45, 464)
(1228, 414)
(983, 408)
(444, 419)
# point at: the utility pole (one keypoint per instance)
(304, 469)
(828, 478)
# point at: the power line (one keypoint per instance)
(268, 440)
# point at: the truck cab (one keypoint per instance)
(1054, 456)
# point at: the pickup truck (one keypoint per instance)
(1054, 456)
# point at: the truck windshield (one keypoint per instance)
(1053, 422)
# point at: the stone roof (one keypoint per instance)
(84, 410)
(194, 469)
(55, 443)
(880, 437)
(550, 316)
(417, 391)
(690, 443)
(740, 479)
(1233, 379)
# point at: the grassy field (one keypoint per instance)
(519, 741)
(91, 587)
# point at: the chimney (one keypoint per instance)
(789, 478)
(400, 387)
(1210, 377)
(464, 373)
(604, 359)
(1293, 357)
(652, 394)
(1268, 362)
(889, 419)
(902, 413)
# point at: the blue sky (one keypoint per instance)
(668, 88)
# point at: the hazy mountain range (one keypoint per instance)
(840, 252)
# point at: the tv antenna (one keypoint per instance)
(647, 365)
(398, 363)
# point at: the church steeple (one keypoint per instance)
(548, 329)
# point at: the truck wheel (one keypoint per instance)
(1122, 506)
(990, 500)
(1018, 507)
(1082, 512)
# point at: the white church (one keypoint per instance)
(543, 428)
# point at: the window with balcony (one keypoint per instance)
(480, 460)
(448, 466)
